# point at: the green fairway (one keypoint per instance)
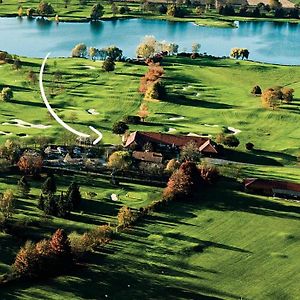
(204, 95)
(232, 246)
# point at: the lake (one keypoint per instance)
(272, 42)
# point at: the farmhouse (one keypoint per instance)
(276, 188)
(169, 142)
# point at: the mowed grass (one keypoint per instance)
(230, 245)
(94, 211)
(204, 95)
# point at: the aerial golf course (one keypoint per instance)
(153, 220)
(231, 245)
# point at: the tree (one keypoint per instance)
(156, 90)
(20, 11)
(49, 185)
(190, 152)
(30, 12)
(114, 9)
(172, 165)
(64, 205)
(24, 186)
(271, 98)
(60, 246)
(7, 204)
(287, 94)
(184, 183)
(196, 48)
(119, 127)
(148, 47)
(80, 50)
(175, 11)
(32, 78)
(26, 261)
(93, 53)
(17, 65)
(231, 141)
(143, 112)
(239, 53)
(114, 52)
(249, 146)
(153, 74)
(6, 94)
(48, 203)
(45, 9)
(209, 172)
(73, 196)
(108, 65)
(97, 12)
(120, 160)
(126, 216)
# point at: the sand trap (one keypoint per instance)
(171, 129)
(176, 118)
(90, 67)
(114, 197)
(193, 134)
(208, 125)
(5, 133)
(234, 130)
(92, 111)
(23, 124)
(198, 94)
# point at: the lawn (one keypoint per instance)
(227, 246)
(204, 95)
(230, 245)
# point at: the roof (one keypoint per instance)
(148, 156)
(142, 137)
(257, 183)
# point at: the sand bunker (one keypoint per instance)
(171, 130)
(92, 111)
(5, 133)
(234, 130)
(23, 124)
(193, 134)
(176, 118)
(90, 67)
(208, 125)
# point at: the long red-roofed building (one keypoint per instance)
(140, 138)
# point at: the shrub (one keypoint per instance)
(209, 173)
(119, 127)
(126, 216)
(184, 183)
(7, 94)
(249, 146)
(256, 90)
(132, 119)
(60, 247)
(7, 204)
(26, 261)
(172, 165)
(120, 160)
(190, 152)
(108, 65)
(151, 168)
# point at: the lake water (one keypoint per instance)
(272, 42)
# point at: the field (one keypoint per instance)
(228, 245)
(200, 100)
